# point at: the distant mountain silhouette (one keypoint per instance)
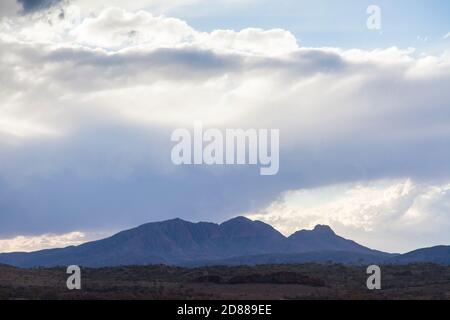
(180, 242)
(437, 255)
(323, 238)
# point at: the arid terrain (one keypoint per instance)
(306, 281)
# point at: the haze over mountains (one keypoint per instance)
(234, 242)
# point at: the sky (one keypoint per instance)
(92, 90)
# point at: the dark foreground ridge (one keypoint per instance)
(235, 242)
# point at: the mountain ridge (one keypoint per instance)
(180, 242)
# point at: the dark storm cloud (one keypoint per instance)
(89, 186)
(124, 177)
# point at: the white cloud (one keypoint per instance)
(252, 40)
(226, 74)
(115, 28)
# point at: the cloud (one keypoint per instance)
(394, 215)
(46, 241)
(116, 28)
(89, 105)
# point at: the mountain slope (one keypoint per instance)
(437, 255)
(181, 242)
(323, 238)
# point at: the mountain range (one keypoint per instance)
(234, 242)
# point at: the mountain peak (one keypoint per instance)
(323, 229)
(176, 220)
(238, 219)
